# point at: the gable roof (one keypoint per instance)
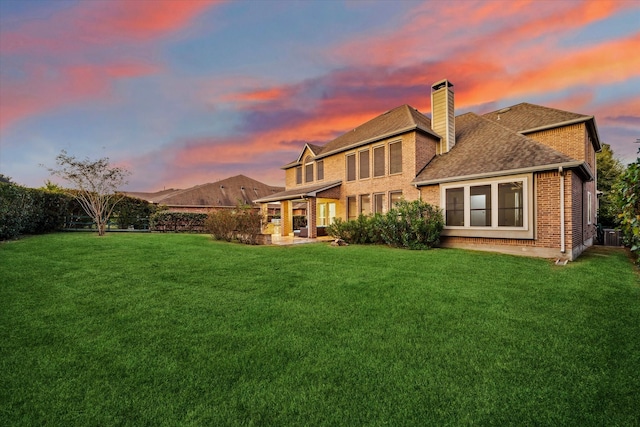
(527, 118)
(394, 122)
(485, 148)
(224, 193)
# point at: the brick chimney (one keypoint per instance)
(442, 114)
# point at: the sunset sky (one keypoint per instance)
(185, 92)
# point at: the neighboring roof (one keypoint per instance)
(394, 122)
(299, 193)
(225, 193)
(486, 148)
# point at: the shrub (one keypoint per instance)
(30, 211)
(411, 225)
(131, 211)
(177, 221)
(221, 224)
(243, 224)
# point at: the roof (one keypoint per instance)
(487, 148)
(299, 193)
(224, 193)
(394, 122)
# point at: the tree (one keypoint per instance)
(95, 185)
(627, 197)
(5, 179)
(609, 171)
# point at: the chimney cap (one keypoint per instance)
(441, 84)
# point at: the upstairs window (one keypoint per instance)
(308, 169)
(299, 175)
(378, 161)
(320, 170)
(351, 167)
(395, 158)
(364, 164)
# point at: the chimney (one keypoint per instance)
(442, 114)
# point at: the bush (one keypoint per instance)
(131, 211)
(178, 221)
(243, 224)
(411, 225)
(30, 211)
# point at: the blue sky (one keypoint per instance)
(184, 92)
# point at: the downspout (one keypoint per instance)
(562, 225)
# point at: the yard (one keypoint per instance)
(174, 329)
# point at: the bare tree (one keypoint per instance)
(95, 185)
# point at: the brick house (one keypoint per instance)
(519, 180)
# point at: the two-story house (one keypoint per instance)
(519, 180)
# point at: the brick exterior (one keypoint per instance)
(569, 140)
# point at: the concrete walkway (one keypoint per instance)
(290, 240)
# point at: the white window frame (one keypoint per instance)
(526, 231)
(589, 208)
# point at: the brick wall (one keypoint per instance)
(569, 140)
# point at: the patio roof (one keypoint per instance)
(299, 193)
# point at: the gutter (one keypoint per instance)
(562, 225)
(530, 169)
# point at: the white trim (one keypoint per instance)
(494, 230)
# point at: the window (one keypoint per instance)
(501, 208)
(378, 203)
(378, 161)
(455, 206)
(365, 204)
(589, 211)
(351, 167)
(352, 210)
(394, 197)
(510, 204)
(364, 164)
(299, 175)
(332, 212)
(395, 158)
(308, 169)
(320, 170)
(322, 214)
(480, 205)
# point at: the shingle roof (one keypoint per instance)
(300, 192)
(486, 147)
(225, 193)
(393, 122)
(526, 117)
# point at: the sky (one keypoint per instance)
(186, 92)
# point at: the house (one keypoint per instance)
(519, 180)
(224, 194)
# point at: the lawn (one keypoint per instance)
(153, 329)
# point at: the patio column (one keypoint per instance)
(286, 223)
(312, 223)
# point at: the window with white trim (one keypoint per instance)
(395, 157)
(299, 175)
(488, 204)
(320, 170)
(589, 210)
(365, 204)
(308, 169)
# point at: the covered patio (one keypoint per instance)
(318, 214)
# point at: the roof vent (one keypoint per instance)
(504, 110)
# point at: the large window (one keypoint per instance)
(299, 175)
(365, 204)
(480, 205)
(510, 204)
(395, 157)
(320, 170)
(394, 197)
(378, 203)
(364, 164)
(498, 205)
(352, 208)
(455, 206)
(378, 161)
(351, 167)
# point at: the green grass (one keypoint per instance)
(151, 329)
